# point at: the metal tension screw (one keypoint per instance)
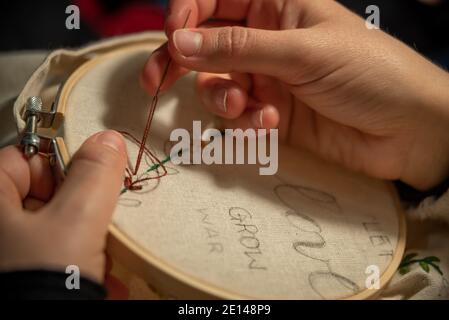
(30, 140)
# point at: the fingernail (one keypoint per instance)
(220, 99)
(188, 43)
(257, 119)
(111, 139)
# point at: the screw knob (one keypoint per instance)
(34, 105)
(30, 140)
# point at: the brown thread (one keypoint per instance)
(132, 182)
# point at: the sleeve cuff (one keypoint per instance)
(46, 285)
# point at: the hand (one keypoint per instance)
(312, 68)
(42, 231)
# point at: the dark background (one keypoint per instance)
(41, 24)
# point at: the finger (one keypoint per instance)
(272, 91)
(256, 117)
(20, 177)
(42, 180)
(94, 180)
(222, 97)
(14, 175)
(237, 49)
(202, 10)
(32, 204)
(154, 70)
(220, 23)
(244, 80)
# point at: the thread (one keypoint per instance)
(132, 182)
(150, 169)
(135, 184)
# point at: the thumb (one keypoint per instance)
(239, 49)
(91, 189)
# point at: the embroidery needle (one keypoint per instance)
(153, 106)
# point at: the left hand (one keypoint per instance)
(44, 229)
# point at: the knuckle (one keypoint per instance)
(233, 40)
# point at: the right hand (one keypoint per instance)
(312, 68)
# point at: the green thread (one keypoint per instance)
(152, 168)
(424, 263)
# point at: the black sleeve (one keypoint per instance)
(46, 285)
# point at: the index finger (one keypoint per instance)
(21, 177)
(203, 10)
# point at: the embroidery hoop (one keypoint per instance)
(165, 276)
